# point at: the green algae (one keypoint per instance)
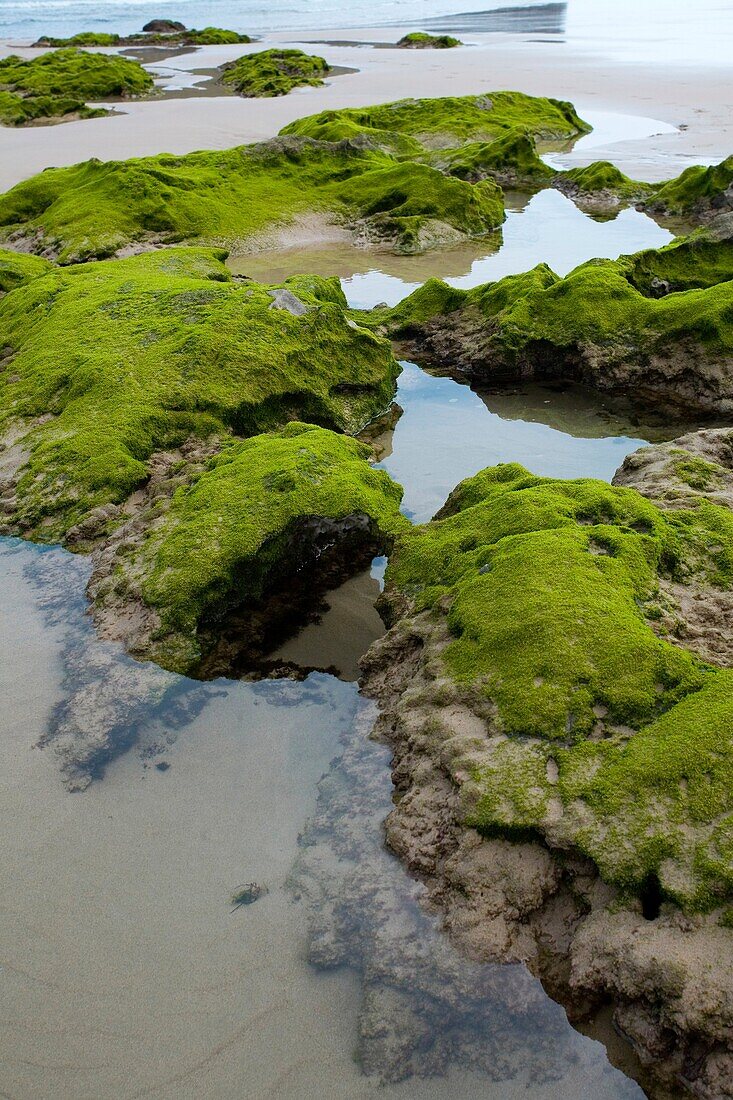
(16, 268)
(697, 187)
(58, 83)
(605, 316)
(510, 158)
(161, 348)
(544, 584)
(93, 209)
(225, 537)
(209, 36)
(694, 262)
(274, 72)
(451, 121)
(419, 40)
(83, 38)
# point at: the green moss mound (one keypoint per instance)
(58, 83)
(84, 38)
(209, 36)
(214, 36)
(224, 538)
(274, 72)
(602, 176)
(114, 361)
(17, 269)
(601, 324)
(605, 736)
(696, 189)
(511, 159)
(419, 40)
(93, 209)
(447, 122)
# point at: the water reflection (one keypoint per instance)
(547, 226)
(450, 431)
(123, 968)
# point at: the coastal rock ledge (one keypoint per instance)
(556, 688)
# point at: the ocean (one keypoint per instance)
(632, 30)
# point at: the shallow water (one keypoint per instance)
(123, 970)
(547, 226)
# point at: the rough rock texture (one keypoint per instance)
(274, 72)
(655, 326)
(58, 84)
(147, 444)
(680, 475)
(425, 1009)
(552, 834)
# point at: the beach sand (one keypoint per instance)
(694, 101)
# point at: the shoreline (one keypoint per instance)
(181, 125)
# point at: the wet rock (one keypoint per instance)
(163, 26)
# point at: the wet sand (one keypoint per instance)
(691, 97)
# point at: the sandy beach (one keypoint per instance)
(694, 101)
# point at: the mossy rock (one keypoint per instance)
(601, 735)
(209, 36)
(604, 323)
(419, 40)
(511, 159)
(84, 38)
(449, 122)
(60, 82)
(16, 268)
(257, 516)
(114, 361)
(697, 190)
(93, 209)
(274, 72)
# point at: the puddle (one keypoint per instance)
(549, 227)
(125, 971)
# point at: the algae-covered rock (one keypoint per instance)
(611, 324)
(94, 209)
(698, 190)
(555, 688)
(419, 40)
(84, 38)
(109, 363)
(158, 32)
(419, 124)
(267, 523)
(59, 83)
(511, 159)
(17, 268)
(274, 72)
(601, 186)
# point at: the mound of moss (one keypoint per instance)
(697, 190)
(109, 363)
(600, 734)
(209, 36)
(274, 72)
(511, 159)
(264, 512)
(84, 38)
(60, 82)
(214, 36)
(419, 40)
(93, 209)
(604, 324)
(416, 125)
(16, 268)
